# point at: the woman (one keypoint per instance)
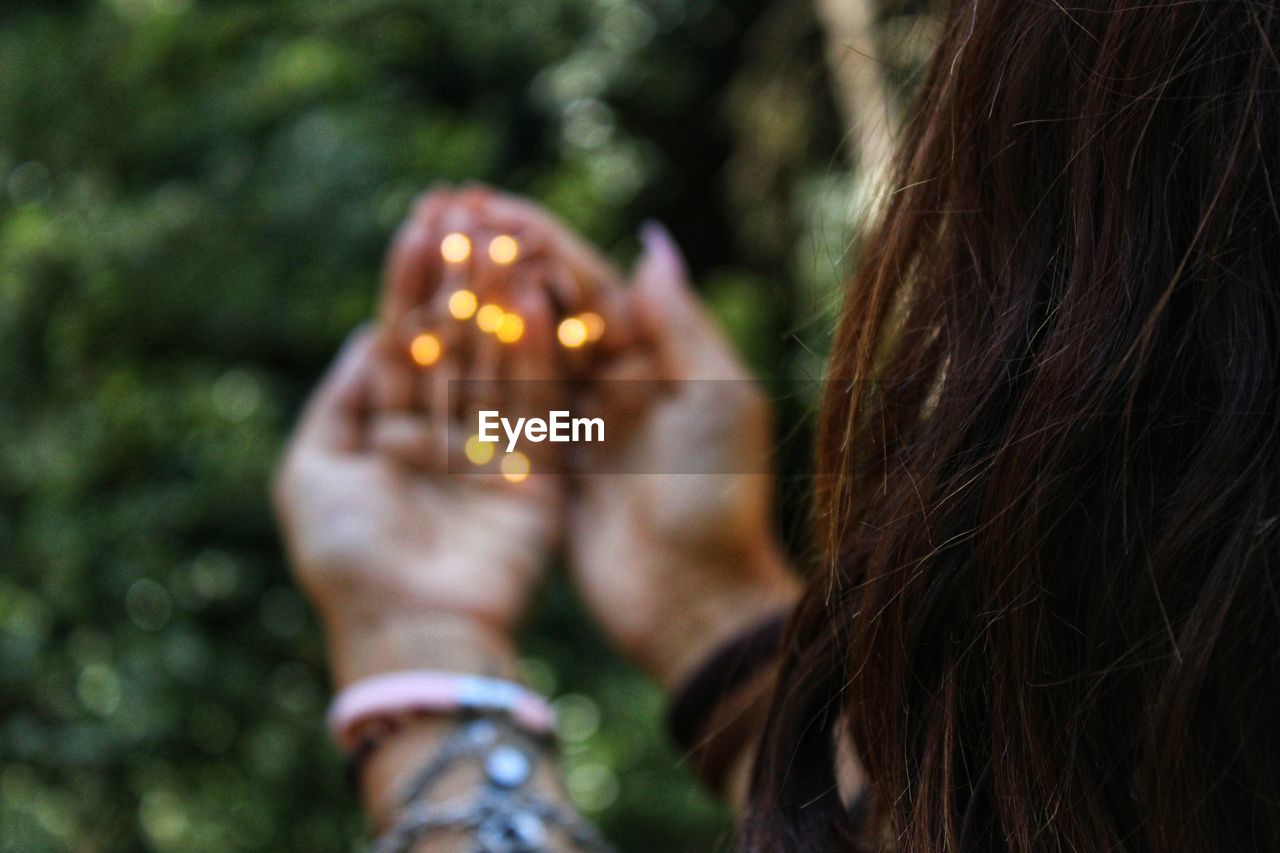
(1046, 617)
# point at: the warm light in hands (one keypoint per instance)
(425, 349)
(503, 249)
(510, 328)
(572, 332)
(514, 467)
(594, 323)
(455, 248)
(489, 317)
(478, 452)
(462, 304)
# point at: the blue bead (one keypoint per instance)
(508, 767)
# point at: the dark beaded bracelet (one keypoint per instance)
(370, 739)
(730, 668)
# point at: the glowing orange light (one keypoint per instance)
(594, 323)
(503, 249)
(455, 248)
(462, 304)
(510, 328)
(489, 317)
(479, 452)
(572, 332)
(425, 349)
(514, 467)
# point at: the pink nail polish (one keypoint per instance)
(661, 246)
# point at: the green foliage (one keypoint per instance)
(194, 202)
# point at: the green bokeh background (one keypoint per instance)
(194, 202)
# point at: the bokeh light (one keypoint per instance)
(479, 452)
(425, 349)
(489, 317)
(503, 249)
(462, 305)
(572, 332)
(514, 467)
(455, 248)
(510, 328)
(594, 323)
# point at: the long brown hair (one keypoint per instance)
(1048, 617)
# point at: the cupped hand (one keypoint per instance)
(413, 556)
(670, 530)
(670, 533)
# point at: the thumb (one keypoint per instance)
(331, 418)
(672, 318)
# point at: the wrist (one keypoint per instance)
(712, 618)
(361, 647)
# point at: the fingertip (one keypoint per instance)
(655, 236)
(661, 268)
(427, 202)
(535, 306)
(534, 356)
(351, 364)
(408, 268)
(473, 195)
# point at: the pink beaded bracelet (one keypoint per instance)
(398, 694)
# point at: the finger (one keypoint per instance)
(493, 287)
(435, 255)
(615, 331)
(531, 366)
(439, 395)
(414, 260)
(564, 287)
(671, 317)
(572, 331)
(535, 376)
(509, 212)
(333, 415)
(394, 376)
(409, 439)
(621, 393)
(476, 393)
(479, 389)
(581, 280)
(457, 253)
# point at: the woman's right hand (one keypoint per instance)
(675, 553)
(669, 534)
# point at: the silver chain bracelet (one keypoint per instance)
(502, 816)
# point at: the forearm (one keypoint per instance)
(363, 648)
(440, 643)
(723, 686)
(411, 748)
(756, 586)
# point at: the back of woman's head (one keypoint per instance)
(1048, 617)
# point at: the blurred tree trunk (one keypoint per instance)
(862, 90)
(877, 52)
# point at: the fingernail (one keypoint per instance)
(661, 247)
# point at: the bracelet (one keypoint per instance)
(726, 671)
(367, 740)
(400, 694)
(500, 816)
